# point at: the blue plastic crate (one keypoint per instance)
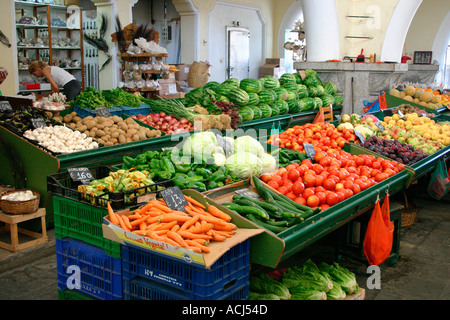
(143, 289)
(83, 113)
(194, 281)
(134, 111)
(100, 274)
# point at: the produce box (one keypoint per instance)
(100, 274)
(63, 185)
(134, 111)
(392, 101)
(360, 295)
(83, 113)
(204, 260)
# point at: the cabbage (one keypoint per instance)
(219, 159)
(248, 144)
(268, 162)
(201, 143)
(243, 165)
(336, 293)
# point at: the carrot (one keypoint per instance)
(194, 202)
(191, 211)
(138, 221)
(122, 223)
(189, 222)
(168, 218)
(195, 249)
(167, 225)
(190, 235)
(225, 233)
(216, 236)
(134, 216)
(175, 236)
(198, 245)
(152, 226)
(213, 220)
(146, 207)
(170, 241)
(161, 232)
(225, 227)
(197, 209)
(219, 213)
(154, 236)
(161, 206)
(112, 216)
(142, 226)
(126, 221)
(140, 232)
(202, 227)
(175, 228)
(203, 242)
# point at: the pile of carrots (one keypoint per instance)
(193, 229)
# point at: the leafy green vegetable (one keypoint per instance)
(342, 276)
(90, 98)
(306, 293)
(262, 296)
(243, 165)
(307, 275)
(263, 283)
(336, 293)
(119, 97)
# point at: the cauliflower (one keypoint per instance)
(345, 118)
(364, 130)
(345, 125)
(355, 119)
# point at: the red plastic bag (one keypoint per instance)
(379, 235)
(320, 116)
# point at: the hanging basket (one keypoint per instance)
(198, 74)
(409, 213)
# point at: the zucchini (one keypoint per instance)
(262, 204)
(245, 210)
(265, 225)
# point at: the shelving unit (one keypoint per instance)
(49, 51)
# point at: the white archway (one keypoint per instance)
(440, 45)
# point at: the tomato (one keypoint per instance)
(341, 196)
(298, 187)
(329, 184)
(312, 201)
(301, 170)
(317, 168)
(376, 164)
(290, 167)
(266, 177)
(293, 174)
(308, 192)
(291, 195)
(322, 197)
(348, 184)
(309, 180)
(277, 178)
(364, 185)
(300, 200)
(325, 161)
(356, 188)
(319, 156)
(332, 198)
(381, 176)
(320, 189)
(343, 174)
(368, 162)
(339, 186)
(307, 163)
(283, 190)
(334, 177)
(273, 184)
(324, 207)
(319, 180)
(390, 172)
(359, 161)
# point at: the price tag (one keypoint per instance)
(247, 193)
(5, 106)
(309, 149)
(424, 115)
(174, 198)
(380, 126)
(360, 136)
(38, 122)
(103, 112)
(81, 174)
(401, 114)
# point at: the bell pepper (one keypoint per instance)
(199, 186)
(220, 184)
(180, 181)
(211, 185)
(128, 162)
(205, 173)
(195, 178)
(217, 176)
(182, 168)
(141, 159)
(167, 165)
(163, 175)
(151, 155)
(142, 167)
(154, 164)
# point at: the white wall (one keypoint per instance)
(223, 15)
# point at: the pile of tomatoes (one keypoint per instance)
(323, 136)
(332, 177)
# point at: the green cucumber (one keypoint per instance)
(278, 223)
(265, 225)
(245, 210)
(262, 204)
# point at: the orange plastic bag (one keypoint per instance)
(320, 116)
(380, 234)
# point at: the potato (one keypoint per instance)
(73, 113)
(68, 117)
(141, 133)
(108, 144)
(129, 121)
(100, 126)
(92, 133)
(151, 133)
(121, 132)
(132, 132)
(115, 134)
(106, 137)
(77, 119)
(135, 137)
(100, 119)
(99, 133)
(128, 139)
(82, 128)
(122, 139)
(58, 118)
(90, 124)
(72, 125)
(113, 140)
(123, 126)
(116, 119)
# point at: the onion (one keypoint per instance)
(162, 114)
(183, 121)
(167, 118)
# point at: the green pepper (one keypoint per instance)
(183, 168)
(211, 185)
(195, 178)
(217, 176)
(191, 173)
(141, 159)
(151, 155)
(128, 162)
(180, 181)
(142, 167)
(154, 164)
(199, 186)
(167, 165)
(205, 173)
(220, 184)
(163, 175)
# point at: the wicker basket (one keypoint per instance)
(198, 74)
(409, 213)
(20, 207)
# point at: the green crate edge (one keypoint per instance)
(69, 294)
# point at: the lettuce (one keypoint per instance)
(269, 163)
(243, 165)
(342, 276)
(201, 143)
(248, 144)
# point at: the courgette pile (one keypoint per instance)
(275, 213)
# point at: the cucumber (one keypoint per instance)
(296, 220)
(245, 210)
(262, 204)
(265, 225)
(278, 223)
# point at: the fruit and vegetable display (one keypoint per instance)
(329, 178)
(323, 136)
(108, 131)
(407, 108)
(395, 150)
(194, 229)
(164, 122)
(90, 98)
(425, 97)
(120, 98)
(267, 96)
(308, 281)
(117, 181)
(20, 120)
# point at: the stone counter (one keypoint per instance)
(364, 81)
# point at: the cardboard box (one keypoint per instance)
(167, 86)
(277, 61)
(217, 249)
(72, 3)
(360, 295)
(173, 96)
(183, 72)
(271, 70)
(180, 85)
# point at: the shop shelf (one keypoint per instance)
(61, 184)
(392, 101)
(100, 274)
(228, 274)
(80, 221)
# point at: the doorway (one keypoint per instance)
(238, 53)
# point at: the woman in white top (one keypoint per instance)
(58, 78)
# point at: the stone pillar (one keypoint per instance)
(321, 27)
(189, 21)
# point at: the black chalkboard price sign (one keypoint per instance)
(309, 149)
(38, 122)
(174, 198)
(103, 112)
(81, 174)
(5, 106)
(360, 136)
